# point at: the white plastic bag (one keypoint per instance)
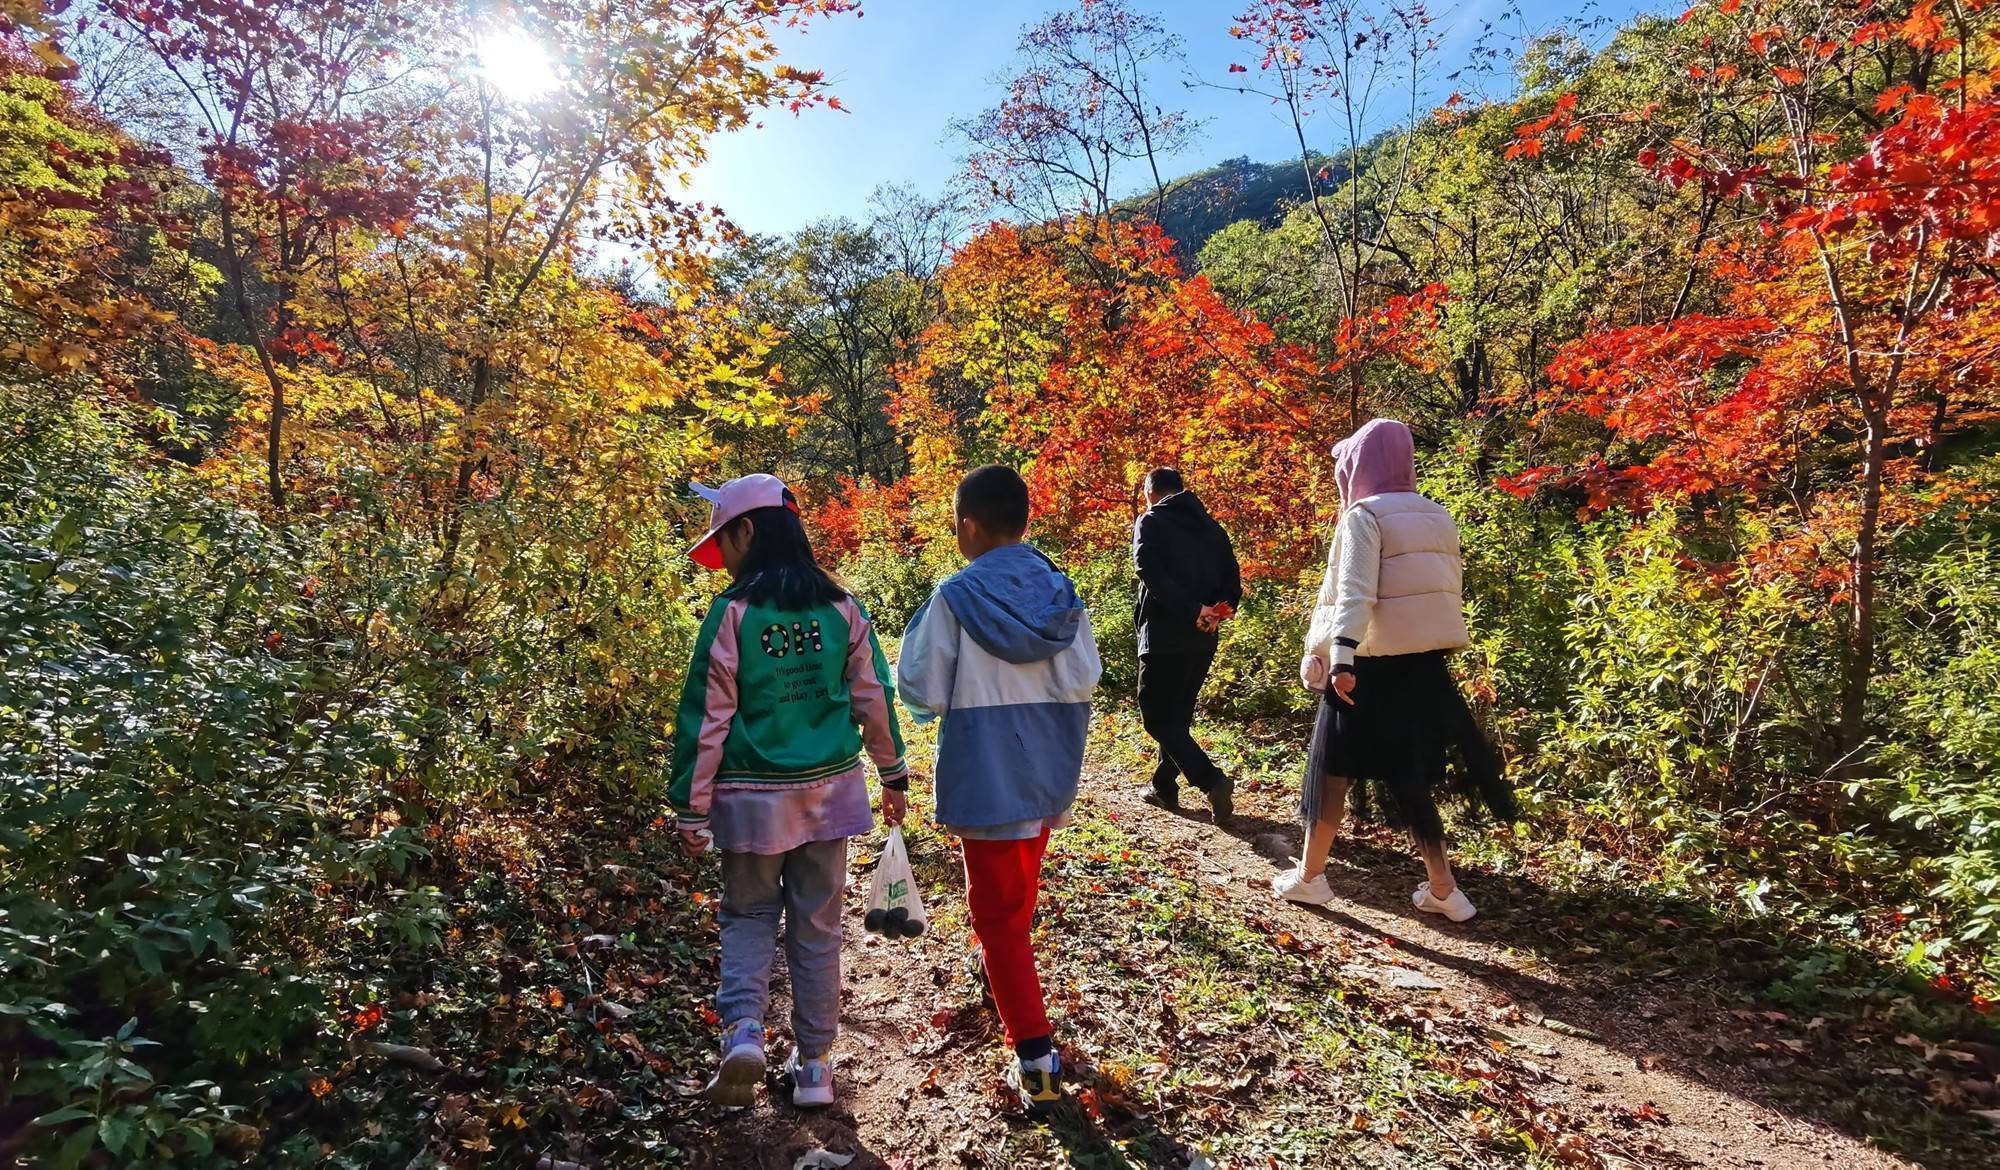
(1314, 672)
(894, 906)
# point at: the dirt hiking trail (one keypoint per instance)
(1401, 1040)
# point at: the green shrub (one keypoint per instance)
(891, 585)
(1668, 706)
(180, 749)
(1110, 590)
(1941, 764)
(225, 747)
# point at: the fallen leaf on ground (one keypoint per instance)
(1092, 1104)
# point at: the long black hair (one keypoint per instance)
(780, 570)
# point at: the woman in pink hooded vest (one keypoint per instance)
(1390, 715)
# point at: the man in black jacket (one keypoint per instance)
(1188, 585)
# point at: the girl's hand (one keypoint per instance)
(895, 806)
(1343, 685)
(1312, 672)
(696, 841)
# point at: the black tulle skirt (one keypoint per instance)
(1407, 737)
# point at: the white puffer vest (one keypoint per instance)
(1393, 581)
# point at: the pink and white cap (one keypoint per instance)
(733, 499)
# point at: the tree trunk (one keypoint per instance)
(240, 301)
(1473, 374)
(461, 488)
(1934, 437)
(1859, 665)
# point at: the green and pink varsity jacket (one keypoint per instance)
(781, 699)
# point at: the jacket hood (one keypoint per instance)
(1377, 459)
(1016, 604)
(1183, 508)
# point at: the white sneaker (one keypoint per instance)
(1456, 906)
(1292, 886)
(812, 1080)
(734, 1085)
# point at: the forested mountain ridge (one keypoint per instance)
(1237, 190)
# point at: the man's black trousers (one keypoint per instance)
(1169, 687)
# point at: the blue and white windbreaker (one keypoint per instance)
(1002, 652)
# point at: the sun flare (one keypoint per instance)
(516, 66)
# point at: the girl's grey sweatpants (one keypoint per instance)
(805, 885)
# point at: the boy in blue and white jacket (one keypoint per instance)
(1002, 653)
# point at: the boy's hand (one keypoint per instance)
(1207, 620)
(1343, 685)
(696, 841)
(895, 806)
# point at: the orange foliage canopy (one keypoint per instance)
(1087, 358)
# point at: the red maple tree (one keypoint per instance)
(1857, 330)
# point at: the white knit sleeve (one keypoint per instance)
(1321, 631)
(1353, 571)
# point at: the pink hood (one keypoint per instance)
(1378, 458)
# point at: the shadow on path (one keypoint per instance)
(1760, 1050)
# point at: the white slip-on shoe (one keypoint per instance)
(1456, 906)
(1292, 886)
(812, 1080)
(735, 1082)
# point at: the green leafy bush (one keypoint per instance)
(1941, 773)
(225, 749)
(176, 760)
(891, 585)
(1662, 708)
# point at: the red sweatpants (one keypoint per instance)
(1002, 879)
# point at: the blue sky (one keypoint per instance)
(906, 68)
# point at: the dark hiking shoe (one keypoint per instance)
(1039, 1084)
(1222, 799)
(1169, 799)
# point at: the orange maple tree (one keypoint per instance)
(1086, 356)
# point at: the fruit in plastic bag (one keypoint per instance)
(895, 908)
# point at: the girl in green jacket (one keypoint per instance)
(787, 688)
